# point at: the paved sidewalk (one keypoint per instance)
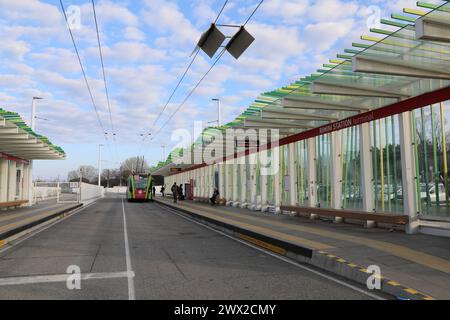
(19, 218)
(419, 261)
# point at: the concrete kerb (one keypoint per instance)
(316, 258)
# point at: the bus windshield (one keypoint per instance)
(140, 182)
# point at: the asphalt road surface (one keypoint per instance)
(145, 251)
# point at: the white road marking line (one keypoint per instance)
(131, 292)
(323, 275)
(15, 281)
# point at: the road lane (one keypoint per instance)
(172, 258)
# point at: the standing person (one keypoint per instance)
(162, 190)
(180, 192)
(174, 190)
(154, 192)
(214, 196)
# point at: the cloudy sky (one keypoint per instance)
(146, 47)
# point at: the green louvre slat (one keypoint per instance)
(262, 101)
(14, 117)
(352, 51)
(360, 45)
(432, 6)
(402, 17)
(381, 31)
(344, 56)
(393, 23)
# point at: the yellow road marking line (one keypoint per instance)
(418, 257)
(269, 232)
(412, 291)
(25, 221)
(12, 216)
(263, 244)
(283, 251)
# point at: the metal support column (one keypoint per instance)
(292, 175)
(312, 198)
(336, 173)
(408, 171)
(253, 201)
(235, 190)
(367, 192)
(12, 172)
(277, 181)
(244, 200)
(3, 180)
(263, 181)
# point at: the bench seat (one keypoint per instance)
(12, 203)
(397, 219)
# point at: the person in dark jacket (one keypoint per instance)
(174, 190)
(180, 192)
(163, 189)
(154, 192)
(214, 196)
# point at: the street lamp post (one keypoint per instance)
(219, 112)
(99, 163)
(30, 165)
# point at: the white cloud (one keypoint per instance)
(325, 34)
(31, 11)
(129, 52)
(166, 18)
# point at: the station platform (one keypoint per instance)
(18, 220)
(416, 263)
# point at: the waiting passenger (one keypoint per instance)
(174, 190)
(214, 196)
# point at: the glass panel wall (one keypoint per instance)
(323, 163)
(351, 168)
(431, 136)
(386, 165)
(302, 176)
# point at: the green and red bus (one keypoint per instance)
(140, 187)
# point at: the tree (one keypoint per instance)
(86, 172)
(111, 178)
(133, 165)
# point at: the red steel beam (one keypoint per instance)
(410, 104)
(16, 159)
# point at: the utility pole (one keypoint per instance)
(30, 165)
(99, 163)
(219, 112)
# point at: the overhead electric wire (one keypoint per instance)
(221, 10)
(104, 76)
(190, 93)
(204, 76)
(82, 68)
(174, 90)
(182, 78)
(104, 132)
(253, 13)
(103, 67)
